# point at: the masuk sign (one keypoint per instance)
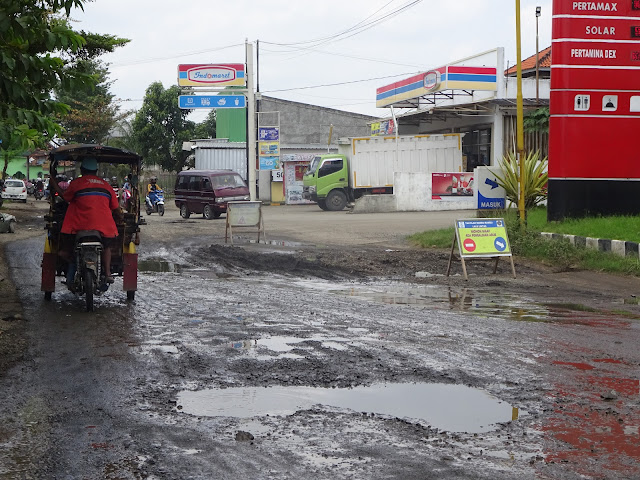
(211, 75)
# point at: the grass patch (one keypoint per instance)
(614, 228)
(434, 238)
(558, 253)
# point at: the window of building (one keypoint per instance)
(476, 148)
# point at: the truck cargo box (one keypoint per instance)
(373, 160)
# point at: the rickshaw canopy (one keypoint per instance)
(102, 153)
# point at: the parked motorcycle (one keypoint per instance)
(86, 275)
(155, 202)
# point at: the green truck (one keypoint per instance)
(366, 166)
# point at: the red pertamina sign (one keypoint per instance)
(595, 90)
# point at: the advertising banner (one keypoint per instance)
(451, 185)
(268, 134)
(269, 163)
(269, 149)
(382, 128)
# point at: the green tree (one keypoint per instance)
(33, 38)
(160, 127)
(30, 33)
(537, 121)
(207, 128)
(93, 112)
(19, 140)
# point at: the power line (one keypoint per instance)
(339, 83)
(356, 29)
(178, 55)
(347, 56)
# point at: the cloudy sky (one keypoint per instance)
(333, 53)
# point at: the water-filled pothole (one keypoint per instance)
(159, 266)
(454, 408)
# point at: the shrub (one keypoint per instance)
(535, 178)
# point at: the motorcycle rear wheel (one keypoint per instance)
(87, 278)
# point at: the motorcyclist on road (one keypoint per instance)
(91, 202)
(153, 185)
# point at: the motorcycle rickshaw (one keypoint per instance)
(87, 250)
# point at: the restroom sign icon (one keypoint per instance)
(609, 103)
(582, 103)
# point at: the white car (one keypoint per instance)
(14, 190)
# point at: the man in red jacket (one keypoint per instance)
(91, 202)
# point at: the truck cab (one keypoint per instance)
(326, 181)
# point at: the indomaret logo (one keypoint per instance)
(211, 75)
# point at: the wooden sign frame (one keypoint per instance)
(244, 215)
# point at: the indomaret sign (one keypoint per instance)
(594, 160)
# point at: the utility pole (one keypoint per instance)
(251, 124)
(520, 119)
(538, 12)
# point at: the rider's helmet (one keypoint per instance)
(153, 179)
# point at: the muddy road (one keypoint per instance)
(328, 353)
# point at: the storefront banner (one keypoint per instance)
(449, 77)
(269, 163)
(451, 186)
(482, 238)
(208, 75)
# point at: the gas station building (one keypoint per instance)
(475, 96)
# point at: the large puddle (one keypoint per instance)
(454, 408)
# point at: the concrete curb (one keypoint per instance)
(617, 247)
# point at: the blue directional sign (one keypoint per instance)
(211, 101)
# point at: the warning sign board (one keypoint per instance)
(482, 239)
(244, 214)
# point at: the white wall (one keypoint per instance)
(413, 194)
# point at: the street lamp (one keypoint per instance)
(538, 11)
